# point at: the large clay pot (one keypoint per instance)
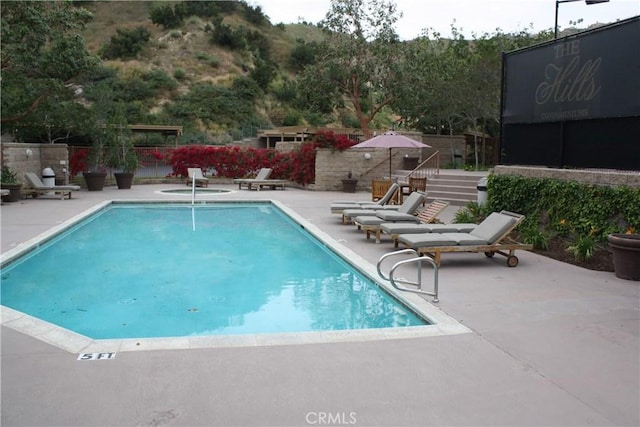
(626, 255)
(14, 192)
(95, 180)
(349, 185)
(124, 180)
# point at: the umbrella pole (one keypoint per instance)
(390, 165)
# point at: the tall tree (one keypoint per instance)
(42, 55)
(431, 98)
(454, 84)
(482, 77)
(360, 61)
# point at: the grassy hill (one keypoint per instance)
(188, 51)
(188, 55)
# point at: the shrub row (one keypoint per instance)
(568, 209)
(236, 162)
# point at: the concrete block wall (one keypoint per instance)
(333, 167)
(447, 146)
(27, 157)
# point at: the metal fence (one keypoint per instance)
(153, 161)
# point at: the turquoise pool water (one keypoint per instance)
(159, 270)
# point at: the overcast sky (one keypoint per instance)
(471, 16)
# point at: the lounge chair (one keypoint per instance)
(196, 173)
(263, 174)
(341, 205)
(394, 229)
(37, 187)
(404, 211)
(491, 236)
(272, 184)
(373, 224)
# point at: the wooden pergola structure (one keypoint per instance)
(165, 130)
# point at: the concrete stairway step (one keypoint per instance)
(452, 188)
(457, 188)
(454, 182)
(456, 199)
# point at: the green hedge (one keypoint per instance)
(569, 209)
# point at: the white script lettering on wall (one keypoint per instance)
(574, 81)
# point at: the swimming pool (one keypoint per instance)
(157, 270)
(369, 303)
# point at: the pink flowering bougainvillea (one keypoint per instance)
(236, 162)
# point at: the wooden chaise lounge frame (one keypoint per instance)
(269, 183)
(390, 197)
(427, 215)
(262, 174)
(503, 245)
(408, 209)
(260, 181)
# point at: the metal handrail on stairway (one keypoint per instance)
(417, 259)
(428, 168)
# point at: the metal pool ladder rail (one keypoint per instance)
(417, 259)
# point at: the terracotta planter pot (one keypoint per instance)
(95, 180)
(626, 255)
(124, 180)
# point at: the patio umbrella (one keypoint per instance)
(390, 140)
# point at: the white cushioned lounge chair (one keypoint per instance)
(340, 205)
(260, 181)
(196, 173)
(491, 236)
(263, 173)
(373, 224)
(38, 187)
(408, 207)
(394, 229)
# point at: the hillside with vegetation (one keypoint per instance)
(196, 62)
(188, 46)
(222, 70)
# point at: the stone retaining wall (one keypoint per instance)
(448, 146)
(585, 176)
(333, 167)
(25, 157)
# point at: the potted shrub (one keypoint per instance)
(108, 133)
(9, 181)
(123, 157)
(349, 184)
(96, 174)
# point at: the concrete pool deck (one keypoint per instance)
(550, 344)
